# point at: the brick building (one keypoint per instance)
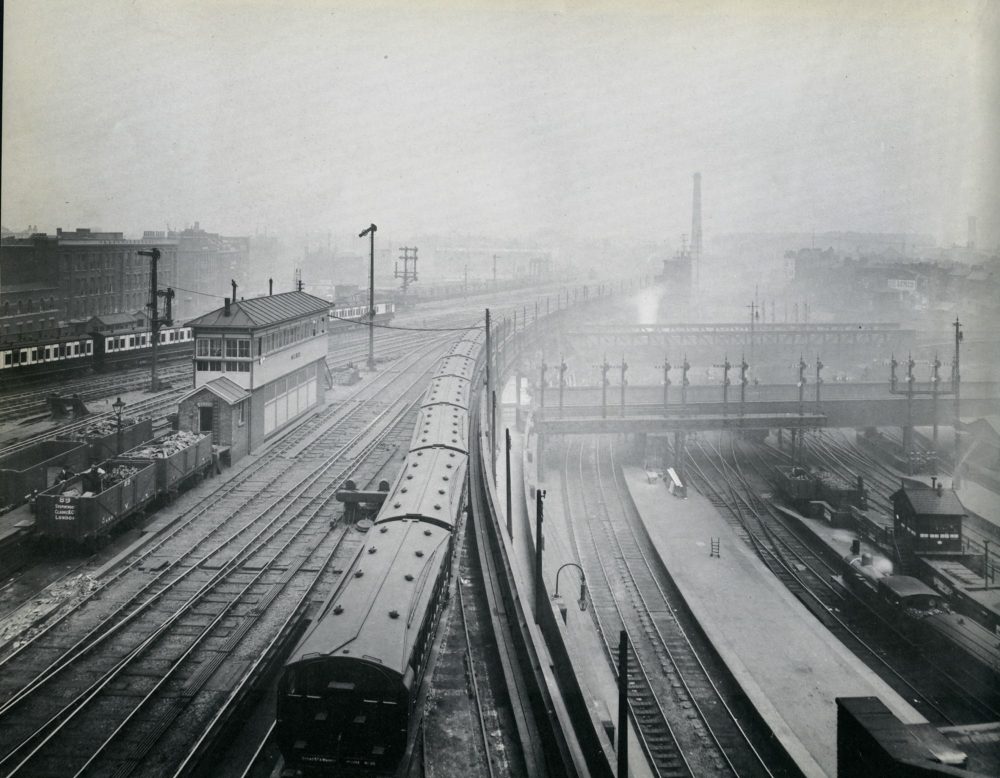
(47, 282)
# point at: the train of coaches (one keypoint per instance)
(113, 349)
(347, 693)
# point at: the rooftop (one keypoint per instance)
(225, 389)
(927, 501)
(263, 311)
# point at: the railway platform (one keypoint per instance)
(587, 655)
(786, 662)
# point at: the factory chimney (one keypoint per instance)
(696, 225)
(971, 240)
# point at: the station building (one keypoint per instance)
(259, 366)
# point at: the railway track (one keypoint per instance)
(268, 556)
(187, 531)
(21, 404)
(845, 457)
(688, 723)
(944, 693)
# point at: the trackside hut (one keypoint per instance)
(274, 349)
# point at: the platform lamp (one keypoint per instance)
(582, 602)
(118, 406)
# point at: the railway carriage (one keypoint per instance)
(347, 693)
(128, 348)
(346, 315)
(98, 350)
(58, 355)
(449, 389)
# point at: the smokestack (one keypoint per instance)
(696, 220)
(225, 310)
(270, 287)
(233, 282)
(971, 240)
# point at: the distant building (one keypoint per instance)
(207, 263)
(48, 281)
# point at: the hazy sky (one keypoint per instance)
(487, 117)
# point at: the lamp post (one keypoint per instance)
(370, 232)
(118, 406)
(583, 584)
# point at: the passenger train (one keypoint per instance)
(347, 694)
(113, 350)
(347, 315)
(95, 351)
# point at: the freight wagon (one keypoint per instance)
(79, 511)
(805, 489)
(178, 457)
(83, 509)
(36, 467)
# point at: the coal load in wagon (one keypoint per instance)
(176, 456)
(104, 438)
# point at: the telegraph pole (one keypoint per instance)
(666, 382)
(562, 383)
(754, 315)
(685, 383)
(604, 366)
(407, 276)
(541, 386)
(154, 319)
(370, 232)
(622, 704)
(624, 367)
(935, 382)
(743, 383)
(819, 381)
(726, 365)
(956, 379)
(539, 511)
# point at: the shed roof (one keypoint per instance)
(263, 311)
(224, 388)
(926, 501)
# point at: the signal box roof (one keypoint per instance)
(926, 501)
(260, 312)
